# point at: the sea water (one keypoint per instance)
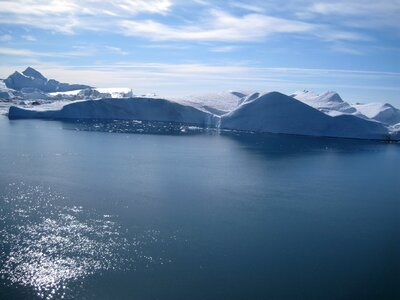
(149, 210)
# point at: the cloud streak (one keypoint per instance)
(224, 27)
(210, 24)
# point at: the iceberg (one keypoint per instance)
(146, 109)
(31, 78)
(93, 93)
(278, 113)
(384, 113)
(216, 103)
(5, 93)
(302, 113)
(330, 103)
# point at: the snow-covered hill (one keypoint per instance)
(278, 113)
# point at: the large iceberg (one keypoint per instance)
(278, 113)
(384, 113)
(218, 103)
(146, 109)
(303, 113)
(330, 103)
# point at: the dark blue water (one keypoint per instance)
(130, 210)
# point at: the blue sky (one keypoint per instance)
(176, 47)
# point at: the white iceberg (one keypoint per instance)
(259, 112)
(146, 109)
(278, 113)
(330, 103)
(384, 113)
(216, 103)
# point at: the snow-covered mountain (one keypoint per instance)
(278, 113)
(33, 79)
(384, 113)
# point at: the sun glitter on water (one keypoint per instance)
(45, 247)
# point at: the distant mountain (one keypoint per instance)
(33, 79)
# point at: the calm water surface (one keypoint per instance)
(132, 210)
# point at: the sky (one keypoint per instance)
(182, 47)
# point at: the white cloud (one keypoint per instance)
(360, 14)
(30, 53)
(16, 52)
(83, 7)
(357, 7)
(67, 16)
(256, 20)
(221, 26)
(224, 27)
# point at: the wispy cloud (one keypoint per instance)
(220, 26)
(248, 7)
(29, 38)
(116, 50)
(347, 49)
(224, 49)
(83, 7)
(358, 13)
(67, 16)
(18, 52)
(211, 23)
(5, 38)
(223, 27)
(30, 53)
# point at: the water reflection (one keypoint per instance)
(283, 145)
(44, 247)
(267, 143)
